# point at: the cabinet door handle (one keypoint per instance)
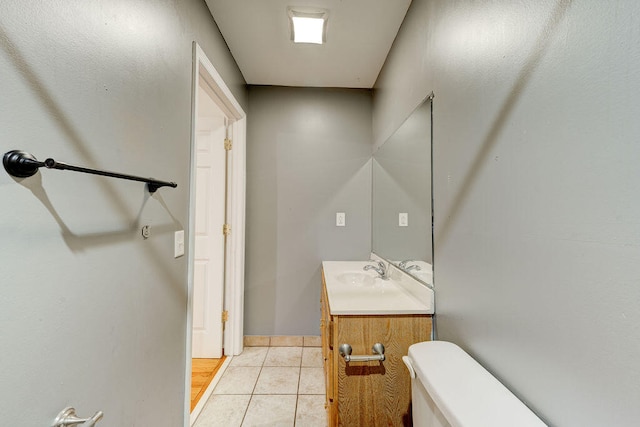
(378, 354)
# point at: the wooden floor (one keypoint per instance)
(202, 372)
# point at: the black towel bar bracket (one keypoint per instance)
(21, 164)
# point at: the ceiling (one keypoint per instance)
(359, 36)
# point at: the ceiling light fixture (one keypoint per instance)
(308, 26)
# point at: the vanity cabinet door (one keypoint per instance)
(376, 393)
(368, 393)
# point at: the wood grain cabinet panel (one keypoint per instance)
(369, 393)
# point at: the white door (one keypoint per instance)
(209, 255)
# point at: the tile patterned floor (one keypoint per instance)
(269, 386)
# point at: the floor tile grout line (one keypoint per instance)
(297, 394)
(244, 415)
(295, 410)
(252, 391)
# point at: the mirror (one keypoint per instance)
(402, 196)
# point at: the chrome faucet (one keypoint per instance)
(381, 269)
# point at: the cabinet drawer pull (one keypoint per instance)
(378, 354)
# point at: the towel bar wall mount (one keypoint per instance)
(21, 164)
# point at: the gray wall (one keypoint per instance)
(92, 315)
(536, 177)
(308, 157)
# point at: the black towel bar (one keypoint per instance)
(22, 165)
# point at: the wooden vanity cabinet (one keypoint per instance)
(369, 393)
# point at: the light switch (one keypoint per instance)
(340, 219)
(403, 219)
(178, 246)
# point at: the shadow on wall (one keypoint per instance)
(538, 52)
(80, 242)
(56, 113)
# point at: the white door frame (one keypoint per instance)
(234, 265)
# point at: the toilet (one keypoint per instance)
(449, 388)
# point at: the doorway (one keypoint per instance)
(210, 219)
(216, 224)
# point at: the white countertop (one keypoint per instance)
(351, 290)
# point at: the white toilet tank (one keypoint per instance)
(449, 388)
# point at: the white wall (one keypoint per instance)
(308, 157)
(537, 241)
(92, 315)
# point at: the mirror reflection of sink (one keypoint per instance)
(425, 276)
(356, 278)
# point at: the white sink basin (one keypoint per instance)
(354, 291)
(356, 278)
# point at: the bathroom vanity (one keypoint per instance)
(360, 309)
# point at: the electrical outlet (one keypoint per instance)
(178, 245)
(403, 219)
(341, 219)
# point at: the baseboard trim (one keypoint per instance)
(282, 341)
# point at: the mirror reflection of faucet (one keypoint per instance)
(381, 269)
(403, 265)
